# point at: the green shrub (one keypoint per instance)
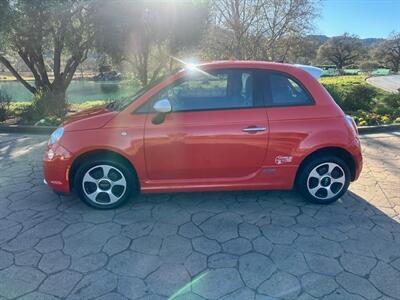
(358, 97)
(390, 104)
(5, 100)
(353, 97)
(397, 120)
(44, 105)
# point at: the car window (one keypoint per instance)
(223, 89)
(286, 91)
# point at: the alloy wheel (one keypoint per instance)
(326, 180)
(104, 184)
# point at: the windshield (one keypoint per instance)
(123, 103)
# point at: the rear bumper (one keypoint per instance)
(56, 168)
(357, 156)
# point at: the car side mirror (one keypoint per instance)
(162, 107)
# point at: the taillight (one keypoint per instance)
(352, 124)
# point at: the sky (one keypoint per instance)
(365, 18)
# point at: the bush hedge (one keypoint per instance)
(367, 104)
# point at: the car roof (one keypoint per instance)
(283, 67)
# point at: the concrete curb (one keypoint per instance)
(27, 129)
(49, 129)
(378, 128)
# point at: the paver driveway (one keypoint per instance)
(241, 245)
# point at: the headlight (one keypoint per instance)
(56, 135)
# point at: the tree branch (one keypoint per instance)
(8, 65)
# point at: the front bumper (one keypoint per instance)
(56, 166)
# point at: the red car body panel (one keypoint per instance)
(207, 150)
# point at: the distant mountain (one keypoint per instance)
(367, 42)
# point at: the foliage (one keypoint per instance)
(369, 66)
(4, 106)
(389, 104)
(145, 33)
(46, 35)
(367, 104)
(242, 29)
(341, 51)
(388, 52)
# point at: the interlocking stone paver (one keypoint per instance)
(221, 227)
(60, 284)
(217, 283)
(222, 260)
(131, 263)
(237, 246)
(255, 268)
(249, 231)
(227, 245)
(357, 285)
(54, 262)
(289, 259)
(27, 258)
(147, 244)
(17, 281)
(189, 230)
(50, 244)
(278, 234)
(357, 264)
(243, 293)
(89, 263)
(195, 263)
(90, 240)
(386, 279)
(94, 285)
(318, 285)
(168, 279)
(206, 246)
(175, 249)
(323, 264)
(132, 288)
(6, 259)
(281, 285)
(116, 244)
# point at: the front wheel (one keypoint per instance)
(104, 184)
(324, 180)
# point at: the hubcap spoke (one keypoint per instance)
(89, 178)
(339, 180)
(313, 191)
(106, 169)
(121, 181)
(93, 196)
(315, 174)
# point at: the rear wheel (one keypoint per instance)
(104, 184)
(324, 180)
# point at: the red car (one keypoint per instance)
(229, 125)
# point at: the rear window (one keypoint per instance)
(286, 91)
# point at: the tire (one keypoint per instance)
(105, 183)
(323, 180)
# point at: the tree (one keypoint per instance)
(252, 29)
(144, 33)
(388, 52)
(341, 51)
(52, 38)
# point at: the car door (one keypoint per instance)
(292, 117)
(217, 128)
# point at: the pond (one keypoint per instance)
(78, 91)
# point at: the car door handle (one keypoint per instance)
(253, 129)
